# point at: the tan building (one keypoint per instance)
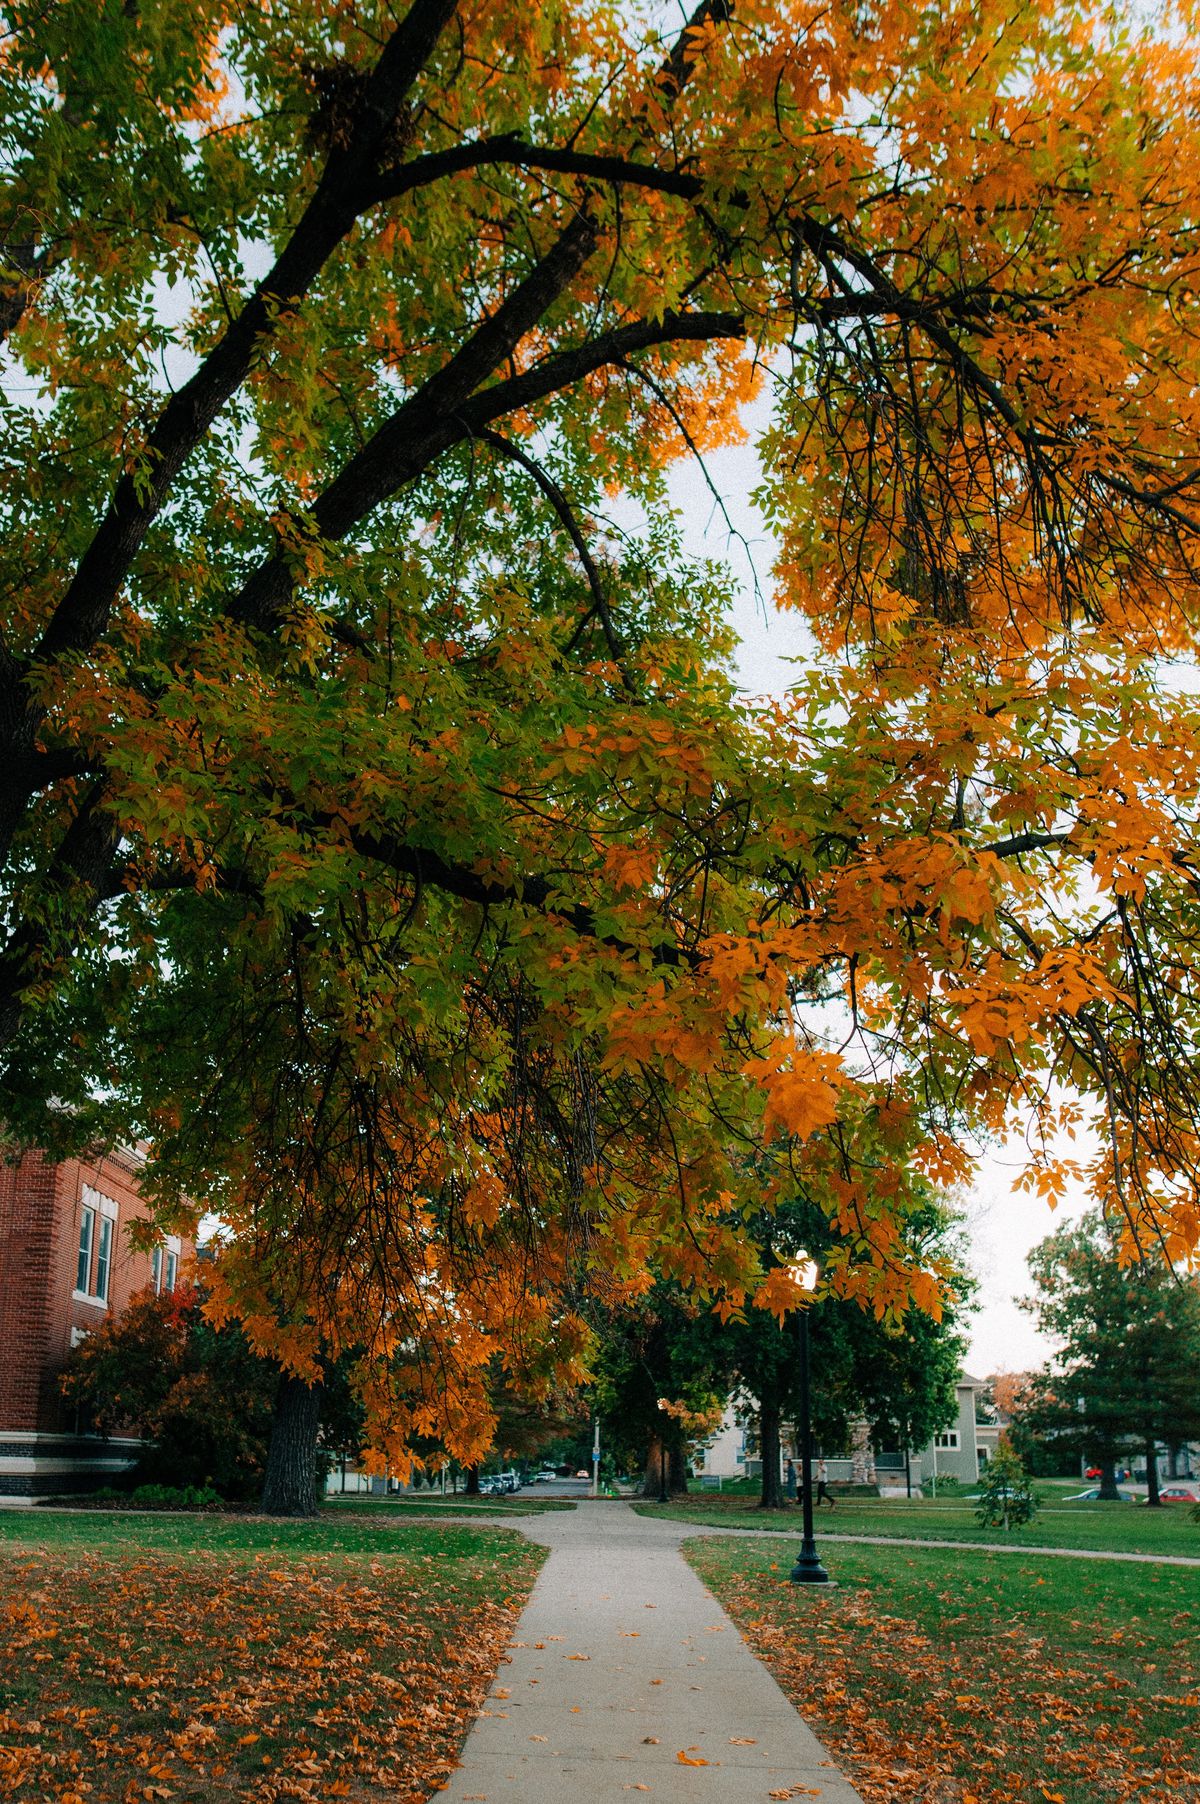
(66, 1265)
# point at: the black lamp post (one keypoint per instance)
(808, 1569)
(663, 1495)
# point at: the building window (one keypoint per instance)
(104, 1257)
(164, 1269)
(948, 1442)
(97, 1234)
(87, 1236)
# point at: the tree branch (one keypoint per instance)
(82, 614)
(445, 412)
(508, 149)
(562, 508)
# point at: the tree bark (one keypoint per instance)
(472, 1486)
(1152, 1497)
(652, 1475)
(290, 1483)
(677, 1472)
(768, 1437)
(1108, 1480)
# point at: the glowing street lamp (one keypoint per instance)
(808, 1570)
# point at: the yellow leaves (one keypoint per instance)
(802, 1086)
(690, 1759)
(630, 866)
(780, 1293)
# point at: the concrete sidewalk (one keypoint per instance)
(627, 1677)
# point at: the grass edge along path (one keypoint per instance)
(187, 1666)
(1122, 1528)
(938, 1681)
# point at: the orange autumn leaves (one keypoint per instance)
(135, 1679)
(462, 933)
(955, 1684)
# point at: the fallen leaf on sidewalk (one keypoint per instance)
(742, 1741)
(687, 1760)
(577, 1656)
(650, 1741)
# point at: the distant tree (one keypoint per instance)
(1007, 1499)
(899, 1375)
(1124, 1378)
(661, 1366)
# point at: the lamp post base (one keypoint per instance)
(808, 1569)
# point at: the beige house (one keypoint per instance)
(961, 1451)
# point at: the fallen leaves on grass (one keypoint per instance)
(143, 1679)
(962, 1720)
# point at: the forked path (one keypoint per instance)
(626, 1677)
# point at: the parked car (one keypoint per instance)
(1093, 1496)
(1180, 1493)
(545, 1473)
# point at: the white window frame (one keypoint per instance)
(97, 1209)
(104, 1258)
(164, 1269)
(948, 1441)
(87, 1247)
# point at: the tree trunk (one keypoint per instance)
(768, 1440)
(290, 1482)
(1108, 1480)
(1152, 1496)
(652, 1477)
(677, 1472)
(472, 1488)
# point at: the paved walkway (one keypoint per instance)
(627, 1677)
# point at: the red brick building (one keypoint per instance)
(66, 1265)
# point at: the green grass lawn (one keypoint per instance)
(991, 1680)
(1117, 1527)
(211, 1658)
(433, 1503)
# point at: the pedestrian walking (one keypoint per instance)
(824, 1494)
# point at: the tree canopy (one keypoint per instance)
(383, 837)
(1123, 1379)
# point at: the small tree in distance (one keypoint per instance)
(1008, 1500)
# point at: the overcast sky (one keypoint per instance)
(1004, 1222)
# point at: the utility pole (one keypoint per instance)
(596, 1457)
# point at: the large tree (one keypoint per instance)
(380, 834)
(1123, 1380)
